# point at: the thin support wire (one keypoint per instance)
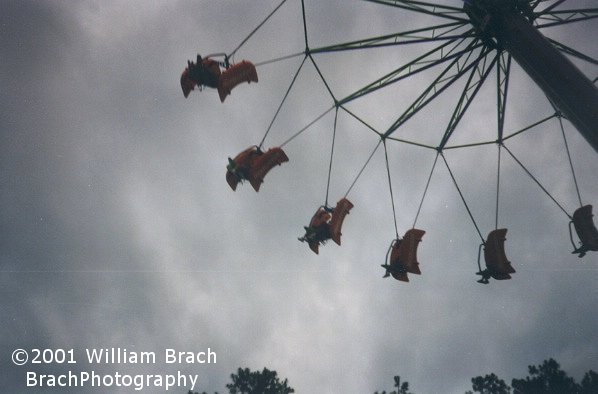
(323, 79)
(392, 199)
(278, 59)
(304, 26)
(363, 168)
(331, 156)
(462, 198)
(537, 182)
(363, 122)
(497, 187)
(546, 119)
(570, 161)
(479, 256)
(425, 190)
(256, 29)
(282, 102)
(501, 140)
(307, 126)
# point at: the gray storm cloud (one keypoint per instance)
(119, 230)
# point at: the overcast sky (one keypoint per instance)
(118, 228)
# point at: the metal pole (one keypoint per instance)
(570, 90)
(506, 24)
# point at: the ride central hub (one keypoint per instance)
(488, 16)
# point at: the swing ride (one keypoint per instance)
(471, 40)
(403, 256)
(206, 72)
(252, 165)
(326, 224)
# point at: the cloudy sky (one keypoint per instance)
(118, 228)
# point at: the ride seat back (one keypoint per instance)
(319, 224)
(262, 164)
(585, 228)
(241, 72)
(497, 263)
(239, 167)
(343, 206)
(398, 271)
(408, 250)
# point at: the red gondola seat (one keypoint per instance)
(343, 206)
(252, 164)
(238, 73)
(326, 224)
(498, 266)
(318, 231)
(586, 230)
(403, 256)
(262, 164)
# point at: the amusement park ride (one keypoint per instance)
(497, 30)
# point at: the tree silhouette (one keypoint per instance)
(256, 382)
(265, 382)
(402, 388)
(547, 378)
(589, 383)
(489, 384)
(203, 392)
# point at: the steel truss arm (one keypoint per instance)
(475, 81)
(550, 7)
(561, 17)
(503, 70)
(443, 81)
(443, 11)
(422, 35)
(432, 58)
(536, 3)
(570, 51)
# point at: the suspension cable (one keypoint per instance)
(363, 168)
(256, 29)
(462, 198)
(392, 199)
(537, 182)
(278, 59)
(322, 78)
(425, 190)
(497, 187)
(282, 102)
(528, 127)
(570, 160)
(331, 156)
(307, 126)
(304, 23)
